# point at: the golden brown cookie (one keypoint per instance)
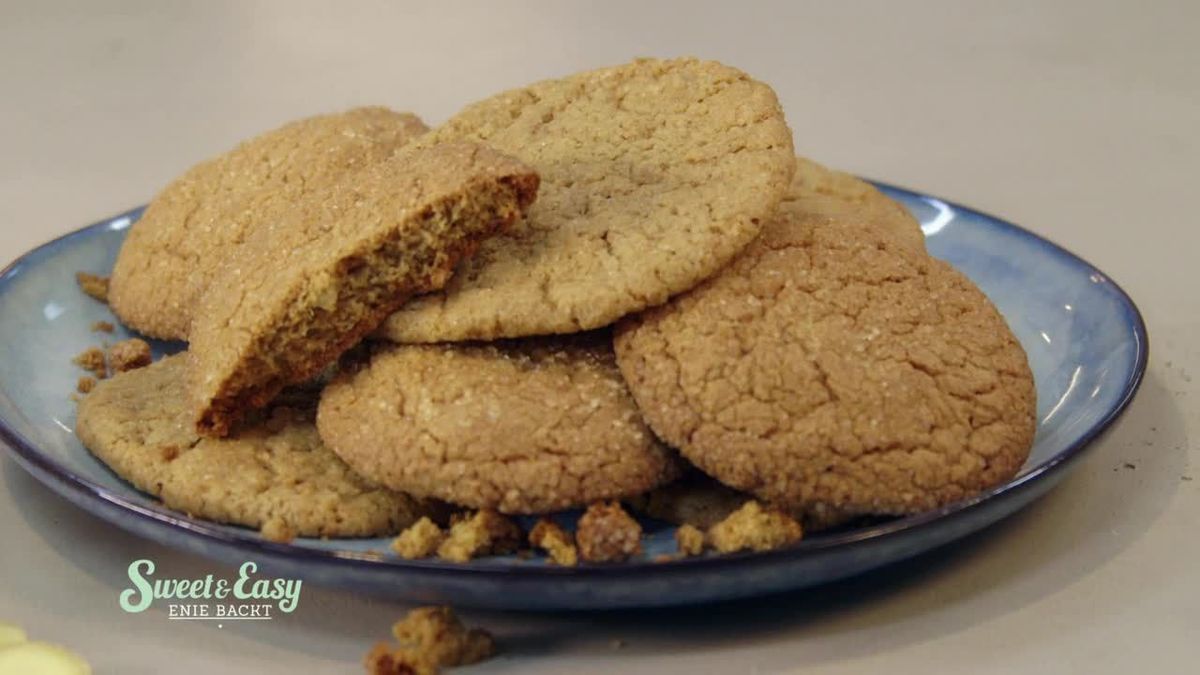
(834, 194)
(305, 288)
(833, 368)
(173, 250)
(274, 474)
(654, 175)
(531, 426)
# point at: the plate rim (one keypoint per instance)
(83, 490)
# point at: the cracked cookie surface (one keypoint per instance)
(274, 474)
(833, 367)
(529, 426)
(172, 252)
(654, 175)
(303, 289)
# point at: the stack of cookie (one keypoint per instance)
(566, 295)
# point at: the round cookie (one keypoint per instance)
(832, 368)
(654, 175)
(836, 194)
(522, 427)
(173, 251)
(275, 474)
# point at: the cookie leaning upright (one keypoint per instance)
(307, 286)
(273, 474)
(526, 426)
(172, 251)
(654, 175)
(835, 368)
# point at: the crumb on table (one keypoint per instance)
(548, 535)
(94, 285)
(419, 540)
(102, 327)
(484, 533)
(92, 359)
(606, 533)
(689, 540)
(85, 384)
(754, 528)
(129, 354)
(429, 638)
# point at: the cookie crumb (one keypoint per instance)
(606, 533)
(102, 327)
(547, 534)
(278, 530)
(689, 540)
(94, 285)
(85, 384)
(129, 354)
(429, 638)
(754, 528)
(484, 533)
(419, 540)
(92, 359)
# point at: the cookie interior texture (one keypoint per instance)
(304, 288)
(172, 252)
(274, 474)
(834, 366)
(529, 426)
(654, 175)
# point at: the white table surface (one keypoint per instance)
(1075, 119)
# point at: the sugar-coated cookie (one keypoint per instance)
(654, 175)
(187, 231)
(526, 426)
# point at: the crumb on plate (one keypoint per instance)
(85, 384)
(92, 359)
(754, 528)
(689, 540)
(556, 541)
(129, 354)
(606, 533)
(484, 533)
(94, 285)
(419, 540)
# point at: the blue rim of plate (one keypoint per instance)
(84, 489)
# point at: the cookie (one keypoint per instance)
(834, 369)
(172, 251)
(833, 194)
(274, 474)
(303, 289)
(654, 175)
(528, 426)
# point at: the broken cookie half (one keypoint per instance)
(311, 284)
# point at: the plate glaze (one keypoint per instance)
(1086, 342)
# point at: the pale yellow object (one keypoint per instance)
(18, 656)
(11, 635)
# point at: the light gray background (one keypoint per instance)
(1076, 119)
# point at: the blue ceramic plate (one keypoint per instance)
(1085, 339)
